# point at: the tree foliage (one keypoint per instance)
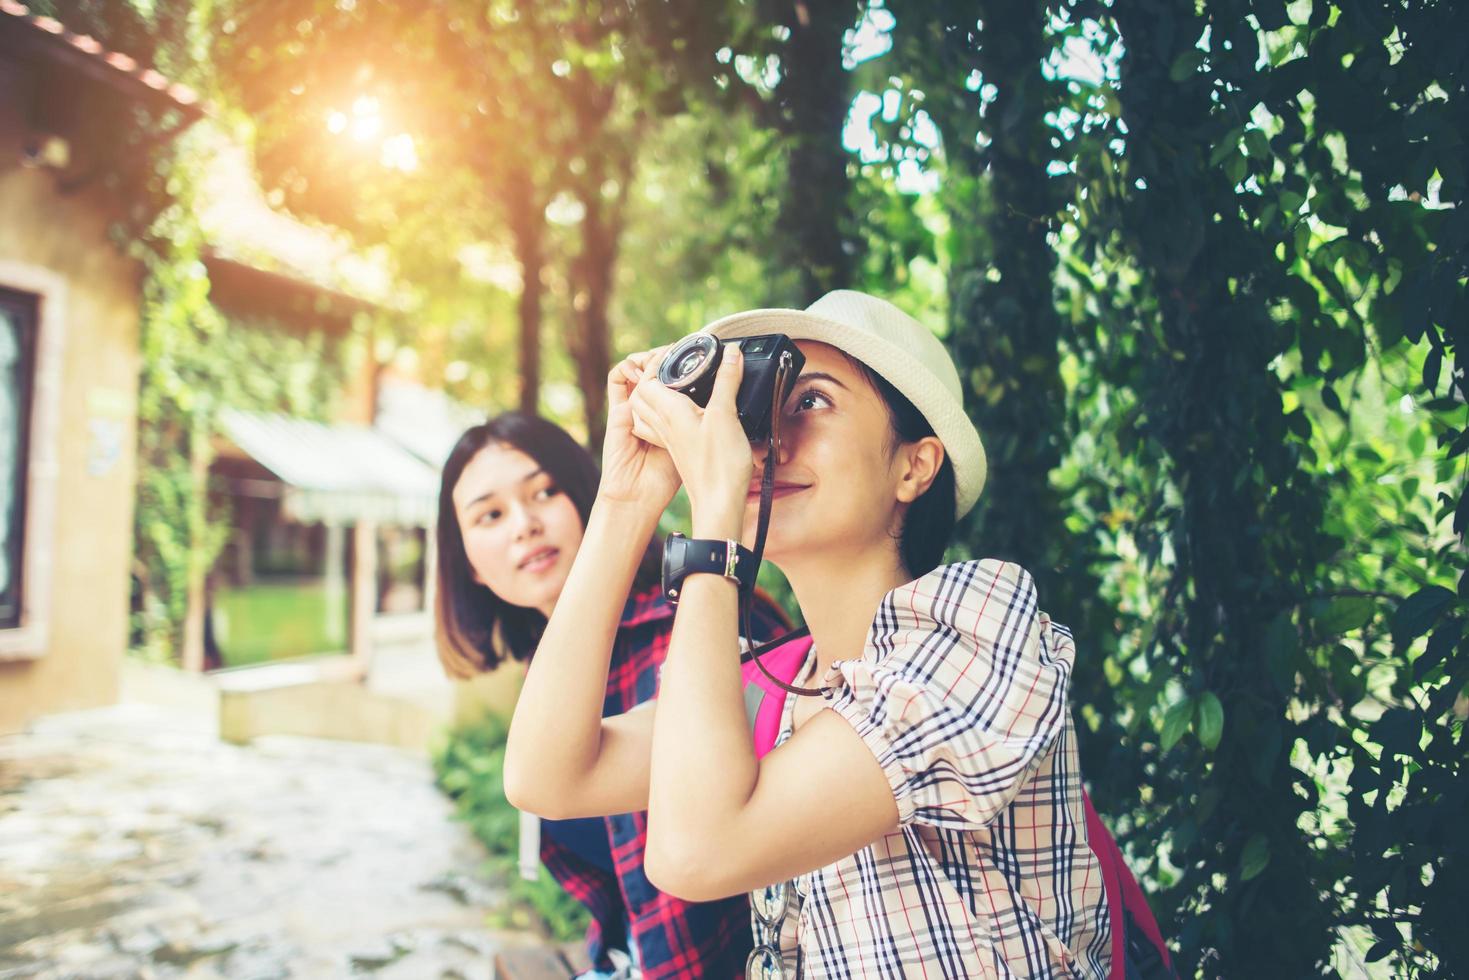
(1258, 210)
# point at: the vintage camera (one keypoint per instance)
(693, 362)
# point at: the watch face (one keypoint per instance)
(675, 565)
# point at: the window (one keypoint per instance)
(401, 566)
(17, 362)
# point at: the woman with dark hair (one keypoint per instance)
(515, 497)
(919, 809)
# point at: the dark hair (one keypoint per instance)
(476, 628)
(929, 523)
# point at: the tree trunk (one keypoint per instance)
(591, 280)
(528, 227)
(816, 224)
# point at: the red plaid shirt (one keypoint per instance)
(674, 938)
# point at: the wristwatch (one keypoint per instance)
(683, 557)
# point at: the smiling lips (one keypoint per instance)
(539, 560)
(781, 489)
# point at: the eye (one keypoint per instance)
(547, 492)
(809, 399)
(488, 516)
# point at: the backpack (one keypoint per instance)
(1138, 950)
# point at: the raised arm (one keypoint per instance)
(562, 758)
(719, 821)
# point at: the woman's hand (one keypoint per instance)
(709, 446)
(633, 470)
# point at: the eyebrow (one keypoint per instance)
(822, 376)
(490, 493)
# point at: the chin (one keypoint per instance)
(776, 538)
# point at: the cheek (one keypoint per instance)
(564, 523)
(488, 557)
(845, 461)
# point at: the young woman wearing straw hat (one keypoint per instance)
(925, 802)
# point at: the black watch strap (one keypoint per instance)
(683, 557)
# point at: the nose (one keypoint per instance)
(526, 523)
(761, 449)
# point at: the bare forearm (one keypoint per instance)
(703, 765)
(556, 735)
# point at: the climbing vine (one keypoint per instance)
(196, 362)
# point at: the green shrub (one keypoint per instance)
(469, 765)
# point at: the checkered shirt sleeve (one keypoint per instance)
(956, 695)
(961, 694)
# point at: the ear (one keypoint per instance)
(918, 464)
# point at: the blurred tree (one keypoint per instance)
(520, 111)
(808, 105)
(465, 92)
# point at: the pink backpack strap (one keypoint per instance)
(764, 700)
(1124, 895)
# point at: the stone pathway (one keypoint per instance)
(133, 844)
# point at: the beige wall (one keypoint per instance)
(57, 244)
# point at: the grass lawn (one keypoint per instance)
(275, 621)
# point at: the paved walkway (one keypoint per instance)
(134, 844)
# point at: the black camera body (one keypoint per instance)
(693, 362)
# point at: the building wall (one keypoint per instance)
(57, 244)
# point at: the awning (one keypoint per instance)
(337, 474)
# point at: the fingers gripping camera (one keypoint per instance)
(693, 362)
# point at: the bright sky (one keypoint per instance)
(366, 122)
(1077, 61)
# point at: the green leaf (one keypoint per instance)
(1186, 64)
(1255, 857)
(1379, 950)
(1280, 649)
(1417, 442)
(1256, 145)
(1398, 731)
(1226, 145)
(1416, 614)
(1332, 400)
(1210, 721)
(1344, 614)
(1175, 722)
(1236, 168)
(1432, 366)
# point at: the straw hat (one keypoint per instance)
(900, 349)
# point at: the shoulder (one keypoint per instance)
(967, 596)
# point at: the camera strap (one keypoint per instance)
(767, 491)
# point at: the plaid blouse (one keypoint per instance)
(674, 938)
(961, 694)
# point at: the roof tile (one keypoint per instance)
(181, 94)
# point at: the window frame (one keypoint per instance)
(25, 309)
(28, 640)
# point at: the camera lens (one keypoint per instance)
(688, 363)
